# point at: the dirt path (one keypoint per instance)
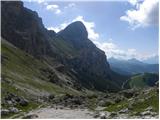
(64, 113)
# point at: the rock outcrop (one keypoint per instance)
(24, 28)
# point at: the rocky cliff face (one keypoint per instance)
(89, 57)
(70, 47)
(24, 29)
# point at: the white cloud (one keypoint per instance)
(43, 2)
(54, 8)
(113, 50)
(92, 35)
(58, 28)
(133, 2)
(144, 14)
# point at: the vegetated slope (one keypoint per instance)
(70, 49)
(29, 78)
(141, 103)
(22, 69)
(132, 66)
(143, 80)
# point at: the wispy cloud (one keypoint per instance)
(144, 13)
(55, 8)
(58, 28)
(113, 50)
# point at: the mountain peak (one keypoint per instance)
(75, 30)
(134, 60)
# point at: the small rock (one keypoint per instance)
(154, 114)
(113, 114)
(77, 101)
(105, 103)
(13, 110)
(102, 115)
(61, 107)
(124, 110)
(69, 96)
(96, 115)
(17, 99)
(4, 112)
(149, 108)
(141, 100)
(9, 96)
(23, 102)
(128, 93)
(145, 113)
(9, 102)
(51, 96)
(118, 99)
(106, 96)
(31, 116)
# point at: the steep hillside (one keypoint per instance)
(132, 66)
(143, 80)
(29, 78)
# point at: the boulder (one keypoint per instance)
(9, 96)
(17, 99)
(13, 110)
(31, 116)
(124, 110)
(149, 108)
(113, 114)
(23, 102)
(127, 93)
(51, 96)
(145, 113)
(96, 115)
(77, 101)
(105, 103)
(68, 96)
(9, 102)
(102, 115)
(5, 111)
(118, 99)
(60, 68)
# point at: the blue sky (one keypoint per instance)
(123, 29)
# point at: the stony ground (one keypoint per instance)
(124, 104)
(65, 113)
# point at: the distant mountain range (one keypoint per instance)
(152, 60)
(132, 66)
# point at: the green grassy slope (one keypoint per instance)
(21, 75)
(145, 99)
(24, 70)
(143, 80)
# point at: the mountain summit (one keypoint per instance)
(75, 30)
